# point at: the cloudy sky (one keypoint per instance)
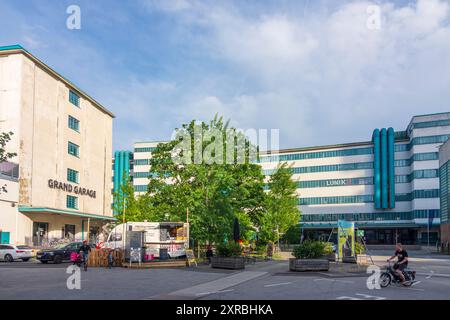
(321, 71)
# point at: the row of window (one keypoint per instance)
(360, 151)
(421, 140)
(371, 216)
(141, 188)
(416, 194)
(429, 124)
(319, 154)
(335, 182)
(147, 149)
(141, 162)
(324, 168)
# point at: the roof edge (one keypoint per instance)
(17, 49)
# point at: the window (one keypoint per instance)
(72, 202)
(73, 149)
(72, 176)
(74, 124)
(141, 188)
(74, 98)
(149, 149)
(141, 162)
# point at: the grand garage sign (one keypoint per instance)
(67, 187)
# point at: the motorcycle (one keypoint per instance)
(389, 276)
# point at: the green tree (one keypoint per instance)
(281, 204)
(214, 191)
(135, 208)
(5, 137)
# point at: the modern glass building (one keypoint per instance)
(388, 185)
(444, 174)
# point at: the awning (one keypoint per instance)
(23, 209)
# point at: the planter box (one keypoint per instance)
(309, 264)
(331, 257)
(233, 263)
(349, 260)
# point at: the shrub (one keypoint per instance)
(230, 249)
(359, 248)
(311, 250)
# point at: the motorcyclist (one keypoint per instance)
(402, 261)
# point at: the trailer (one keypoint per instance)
(157, 240)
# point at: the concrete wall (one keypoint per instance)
(44, 137)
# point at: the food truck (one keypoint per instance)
(162, 240)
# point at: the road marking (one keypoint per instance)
(277, 284)
(434, 274)
(216, 292)
(367, 296)
(417, 282)
(218, 285)
(347, 298)
(333, 280)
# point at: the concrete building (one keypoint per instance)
(444, 174)
(59, 184)
(388, 185)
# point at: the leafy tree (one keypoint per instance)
(293, 234)
(135, 208)
(5, 137)
(214, 191)
(281, 204)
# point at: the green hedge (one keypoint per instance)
(229, 250)
(312, 250)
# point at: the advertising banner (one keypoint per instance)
(346, 239)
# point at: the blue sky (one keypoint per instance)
(312, 69)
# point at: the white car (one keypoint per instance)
(9, 253)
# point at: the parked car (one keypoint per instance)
(60, 253)
(9, 252)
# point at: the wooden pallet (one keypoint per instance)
(159, 264)
(99, 258)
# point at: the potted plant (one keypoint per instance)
(310, 256)
(229, 256)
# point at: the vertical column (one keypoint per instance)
(116, 171)
(391, 168)
(384, 169)
(123, 162)
(376, 167)
(127, 165)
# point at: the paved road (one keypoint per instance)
(264, 280)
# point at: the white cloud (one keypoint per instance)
(329, 78)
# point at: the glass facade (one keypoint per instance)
(149, 149)
(141, 162)
(330, 167)
(316, 155)
(444, 172)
